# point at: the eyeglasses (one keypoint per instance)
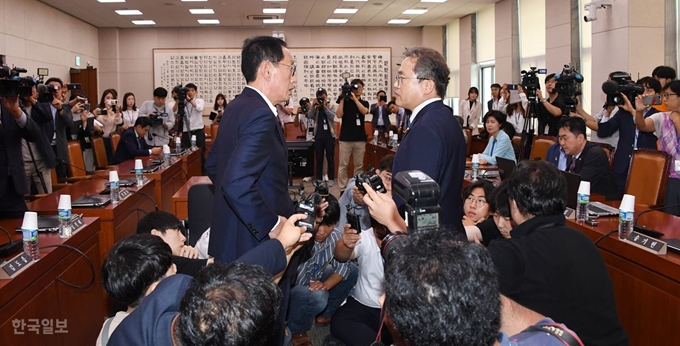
(668, 94)
(477, 201)
(398, 79)
(293, 68)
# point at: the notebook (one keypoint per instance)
(505, 167)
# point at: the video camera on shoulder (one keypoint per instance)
(46, 92)
(566, 85)
(347, 88)
(11, 84)
(621, 83)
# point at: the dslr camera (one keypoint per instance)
(11, 84)
(621, 83)
(308, 205)
(46, 92)
(421, 194)
(157, 119)
(567, 86)
(373, 181)
(303, 105)
(530, 82)
(347, 90)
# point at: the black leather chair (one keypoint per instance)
(200, 209)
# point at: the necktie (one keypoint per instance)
(572, 165)
(493, 145)
(139, 145)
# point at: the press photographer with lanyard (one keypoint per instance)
(158, 109)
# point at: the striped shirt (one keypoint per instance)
(322, 255)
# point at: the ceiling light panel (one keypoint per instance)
(345, 11)
(418, 11)
(438, 1)
(272, 21)
(208, 21)
(129, 12)
(398, 21)
(143, 22)
(274, 10)
(202, 11)
(110, 1)
(336, 21)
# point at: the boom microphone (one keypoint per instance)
(610, 87)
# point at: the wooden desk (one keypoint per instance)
(180, 198)
(375, 153)
(477, 145)
(646, 286)
(35, 293)
(117, 220)
(167, 180)
(191, 164)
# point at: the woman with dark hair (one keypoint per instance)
(500, 144)
(475, 205)
(470, 110)
(516, 109)
(107, 115)
(129, 111)
(666, 125)
(218, 109)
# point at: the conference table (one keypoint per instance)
(191, 163)
(167, 180)
(36, 308)
(646, 285)
(117, 220)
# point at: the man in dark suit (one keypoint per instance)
(622, 121)
(132, 142)
(497, 103)
(14, 125)
(381, 113)
(54, 117)
(251, 195)
(586, 159)
(434, 142)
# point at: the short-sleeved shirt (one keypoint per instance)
(350, 131)
(369, 286)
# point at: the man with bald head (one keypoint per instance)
(251, 192)
(420, 86)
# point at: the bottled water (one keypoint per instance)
(582, 207)
(625, 224)
(140, 177)
(178, 147)
(115, 191)
(193, 143)
(31, 243)
(65, 230)
(475, 171)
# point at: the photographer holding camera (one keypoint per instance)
(352, 110)
(39, 158)
(324, 134)
(193, 119)
(381, 115)
(162, 117)
(550, 109)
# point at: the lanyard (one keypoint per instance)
(320, 264)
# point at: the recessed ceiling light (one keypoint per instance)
(202, 11)
(398, 21)
(143, 22)
(110, 1)
(273, 10)
(345, 11)
(129, 12)
(414, 12)
(433, 1)
(336, 21)
(272, 21)
(208, 21)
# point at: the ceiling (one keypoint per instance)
(233, 13)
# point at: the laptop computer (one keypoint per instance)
(505, 167)
(94, 201)
(125, 182)
(573, 181)
(600, 209)
(148, 169)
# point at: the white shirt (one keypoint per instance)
(129, 116)
(420, 107)
(602, 117)
(161, 138)
(117, 319)
(370, 285)
(195, 114)
(269, 103)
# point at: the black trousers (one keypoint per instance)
(200, 142)
(12, 204)
(62, 169)
(357, 325)
(327, 146)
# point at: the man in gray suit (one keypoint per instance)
(54, 117)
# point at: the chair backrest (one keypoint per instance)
(469, 141)
(648, 176)
(115, 138)
(75, 156)
(213, 131)
(200, 209)
(609, 150)
(208, 132)
(292, 132)
(101, 160)
(539, 148)
(368, 128)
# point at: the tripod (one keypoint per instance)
(528, 130)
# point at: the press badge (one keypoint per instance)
(325, 127)
(358, 122)
(677, 165)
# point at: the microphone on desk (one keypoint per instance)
(648, 231)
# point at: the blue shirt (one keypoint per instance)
(562, 161)
(500, 146)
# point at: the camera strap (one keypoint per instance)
(565, 335)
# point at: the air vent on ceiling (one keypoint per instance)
(261, 16)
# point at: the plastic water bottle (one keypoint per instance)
(375, 137)
(178, 145)
(114, 186)
(193, 142)
(475, 167)
(626, 216)
(582, 207)
(138, 172)
(166, 155)
(29, 231)
(64, 213)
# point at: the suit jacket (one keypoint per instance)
(11, 158)
(130, 146)
(622, 121)
(42, 114)
(375, 110)
(435, 145)
(42, 144)
(647, 139)
(593, 166)
(553, 154)
(251, 177)
(150, 323)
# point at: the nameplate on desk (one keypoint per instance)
(124, 193)
(77, 222)
(15, 265)
(647, 243)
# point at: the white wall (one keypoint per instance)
(34, 35)
(453, 57)
(486, 34)
(532, 36)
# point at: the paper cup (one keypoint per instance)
(391, 134)
(113, 176)
(628, 203)
(584, 188)
(166, 149)
(178, 139)
(30, 220)
(395, 137)
(138, 164)
(475, 158)
(193, 137)
(64, 202)
(375, 133)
